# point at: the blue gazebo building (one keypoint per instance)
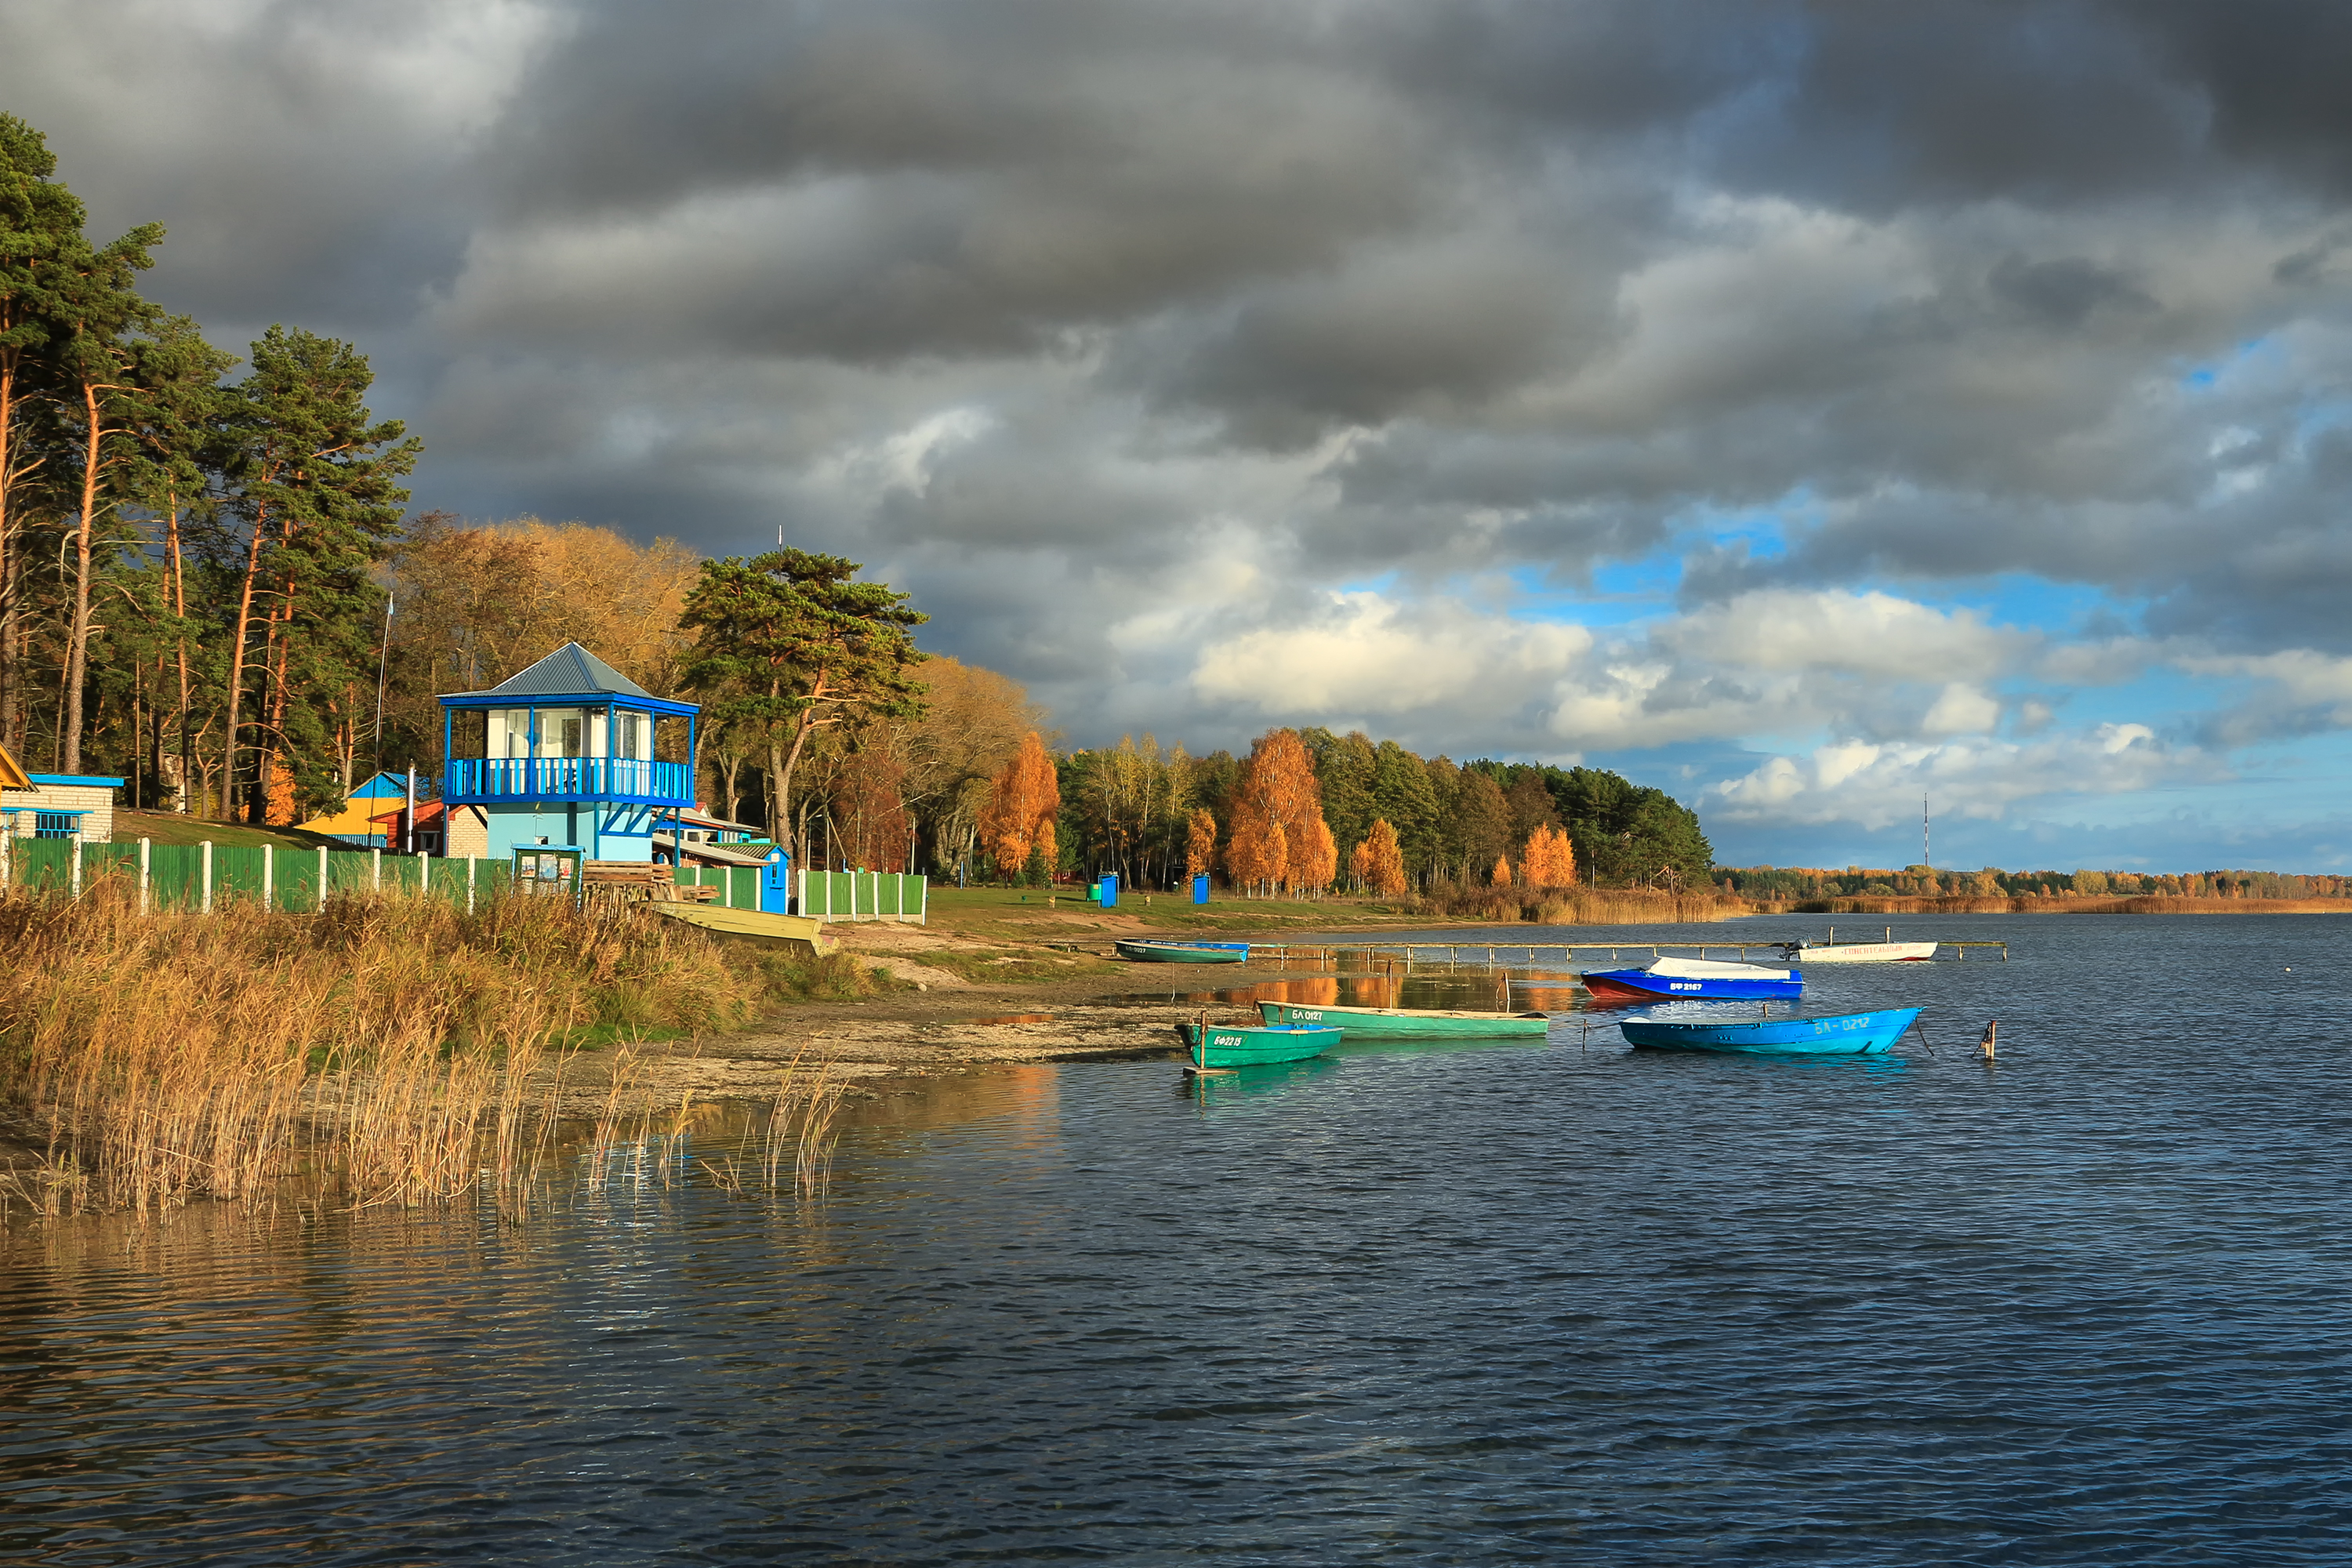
(563, 755)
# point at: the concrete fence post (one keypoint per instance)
(424, 875)
(73, 863)
(206, 901)
(471, 861)
(322, 879)
(145, 848)
(269, 876)
(376, 870)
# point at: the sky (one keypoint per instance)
(1810, 409)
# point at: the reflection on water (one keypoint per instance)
(1249, 1083)
(1487, 1307)
(1466, 989)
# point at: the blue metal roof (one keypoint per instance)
(75, 779)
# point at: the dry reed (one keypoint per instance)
(382, 1047)
(1575, 906)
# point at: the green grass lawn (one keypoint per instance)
(1025, 912)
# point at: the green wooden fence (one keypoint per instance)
(215, 875)
(863, 896)
(739, 886)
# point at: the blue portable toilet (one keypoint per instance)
(1201, 889)
(1110, 890)
(776, 883)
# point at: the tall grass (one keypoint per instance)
(1574, 906)
(384, 1046)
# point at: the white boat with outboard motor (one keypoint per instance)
(1836, 952)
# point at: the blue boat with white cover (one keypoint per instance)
(1694, 980)
(1837, 1034)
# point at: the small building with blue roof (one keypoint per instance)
(564, 755)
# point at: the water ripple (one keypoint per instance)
(1520, 1305)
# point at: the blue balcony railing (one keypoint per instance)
(485, 779)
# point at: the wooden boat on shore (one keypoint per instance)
(1142, 951)
(1408, 1022)
(1215, 1045)
(1861, 951)
(1695, 980)
(1836, 1035)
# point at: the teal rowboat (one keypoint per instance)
(1143, 952)
(1408, 1024)
(1838, 1035)
(1215, 1045)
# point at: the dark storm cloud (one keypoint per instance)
(1178, 312)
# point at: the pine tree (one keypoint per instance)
(314, 483)
(40, 229)
(797, 646)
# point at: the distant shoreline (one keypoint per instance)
(2029, 904)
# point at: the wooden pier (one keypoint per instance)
(1401, 957)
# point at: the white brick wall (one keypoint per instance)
(98, 827)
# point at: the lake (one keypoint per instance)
(1511, 1304)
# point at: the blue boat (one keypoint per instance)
(1693, 979)
(1837, 1034)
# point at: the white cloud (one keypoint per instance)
(1367, 653)
(1873, 634)
(1875, 785)
(1961, 709)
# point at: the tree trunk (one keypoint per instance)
(780, 771)
(11, 729)
(236, 677)
(78, 629)
(180, 609)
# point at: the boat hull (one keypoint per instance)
(1182, 952)
(1403, 1023)
(1251, 1045)
(1866, 953)
(1622, 986)
(1840, 1034)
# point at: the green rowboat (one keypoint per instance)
(1408, 1024)
(1143, 952)
(1215, 1045)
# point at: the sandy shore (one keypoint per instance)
(943, 1022)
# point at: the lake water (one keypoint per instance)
(2092, 1305)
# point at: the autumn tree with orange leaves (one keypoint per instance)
(1502, 871)
(1018, 822)
(1550, 860)
(1277, 835)
(1383, 860)
(1200, 843)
